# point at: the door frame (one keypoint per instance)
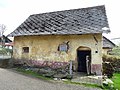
(86, 64)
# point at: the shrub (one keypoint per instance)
(111, 64)
(108, 70)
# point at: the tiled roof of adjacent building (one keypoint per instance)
(75, 21)
(107, 43)
(7, 40)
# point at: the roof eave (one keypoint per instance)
(10, 35)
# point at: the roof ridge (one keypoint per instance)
(70, 10)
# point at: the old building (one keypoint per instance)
(55, 38)
(107, 46)
(4, 40)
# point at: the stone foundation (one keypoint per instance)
(37, 63)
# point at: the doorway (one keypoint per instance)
(84, 59)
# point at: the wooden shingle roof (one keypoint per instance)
(76, 21)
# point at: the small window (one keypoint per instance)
(25, 49)
(63, 47)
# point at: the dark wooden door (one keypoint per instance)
(81, 55)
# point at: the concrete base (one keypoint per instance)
(83, 78)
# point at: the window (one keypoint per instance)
(25, 49)
(63, 47)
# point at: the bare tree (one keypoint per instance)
(2, 30)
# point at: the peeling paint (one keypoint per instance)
(45, 48)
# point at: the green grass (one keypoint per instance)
(116, 83)
(116, 80)
(34, 74)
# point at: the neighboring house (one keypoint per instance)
(55, 38)
(5, 41)
(107, 45)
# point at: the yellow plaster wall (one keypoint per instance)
(46, 47)
(105, 51)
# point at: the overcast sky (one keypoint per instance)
(14, 12)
